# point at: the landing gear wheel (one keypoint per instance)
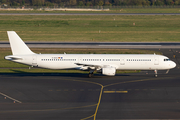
(91, 75)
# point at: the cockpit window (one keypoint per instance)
(167, 60)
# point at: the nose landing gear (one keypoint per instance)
(167, 71)
(155, 71)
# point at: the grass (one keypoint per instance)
(77, 28)
(11, 67)
(112, 10)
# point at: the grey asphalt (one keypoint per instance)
(71, 96)
(89, 13)
(138, 45)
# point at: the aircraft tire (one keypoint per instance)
(91, 75)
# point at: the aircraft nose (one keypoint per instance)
(173, 64)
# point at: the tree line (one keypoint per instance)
(89, 2)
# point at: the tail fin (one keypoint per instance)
(18, 47)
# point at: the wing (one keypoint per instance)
(84, 66)
(88, 66)
(109, 70)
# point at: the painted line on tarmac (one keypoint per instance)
(135, 81)
(18, 111)
(102, 87)
(115, 91)
(10, 97)
(100, 95)
(88, 117)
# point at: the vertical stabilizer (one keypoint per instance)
(18, 47)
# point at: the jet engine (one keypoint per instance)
(109, 71)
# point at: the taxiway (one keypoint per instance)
(75, 96)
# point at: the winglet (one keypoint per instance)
(18, 47)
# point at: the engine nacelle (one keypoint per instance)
(110, 71)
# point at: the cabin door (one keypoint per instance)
(156, 60)
(122, 61)
(34, 60)
(79, 59)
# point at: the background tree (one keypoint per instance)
(107, 4)
(169, 2)
(72, 2)
(14, 3)
(146, 3)
(123, 2)
(3, 1)
(80, 3)
(89, 4)
(100, 3)
(159, 3)
(177, 2)
(23, 2)
(38, 2)
(152, 2)
(48, 3)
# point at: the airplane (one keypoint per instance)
(107, 64)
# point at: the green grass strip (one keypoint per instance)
(69, 28)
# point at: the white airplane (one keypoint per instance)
(107, 64)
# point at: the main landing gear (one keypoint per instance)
(155, 71)
(91, 74)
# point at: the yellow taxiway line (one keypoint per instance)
(115, 91)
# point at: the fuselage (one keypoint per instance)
(119, 61)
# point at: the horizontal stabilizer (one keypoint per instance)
(12, 57)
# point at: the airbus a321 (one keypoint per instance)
(107, 64)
